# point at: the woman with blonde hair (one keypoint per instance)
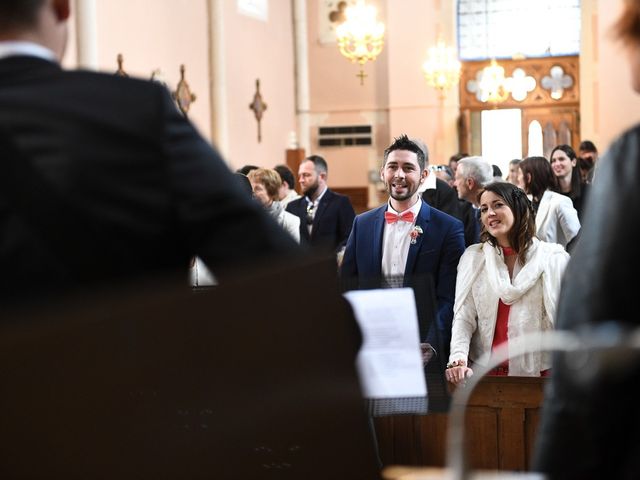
(266, 185)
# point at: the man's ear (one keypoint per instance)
(425, 174)
(470, 183)
(62, 9)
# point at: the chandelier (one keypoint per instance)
(493, 86)
(442, 68)
(360, 36)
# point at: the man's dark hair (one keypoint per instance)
(319, 163)
(19, 13)
(496, 171)
(403, 143)
(587, 146)
(286, 175)
(246, 169)
(456, 157)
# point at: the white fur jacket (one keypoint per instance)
(483, 279)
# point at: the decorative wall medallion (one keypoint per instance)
(183, 95)
(556, 82)
(258, 107)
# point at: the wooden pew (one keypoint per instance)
(502, 419)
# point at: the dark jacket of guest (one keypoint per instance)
(108, 181)
(331, 223)
(444, 198)
(588, 429)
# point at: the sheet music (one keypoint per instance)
(389, 362)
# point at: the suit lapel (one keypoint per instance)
(378, 233)
(422, 221)
(322, 206)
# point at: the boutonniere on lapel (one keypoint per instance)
(417, 231)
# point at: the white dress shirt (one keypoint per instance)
(396, 241)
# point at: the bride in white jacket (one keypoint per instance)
(507, 285)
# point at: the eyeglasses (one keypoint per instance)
(310, 209)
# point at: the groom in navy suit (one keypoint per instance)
(408, 237)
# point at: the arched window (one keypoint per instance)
(535, 140)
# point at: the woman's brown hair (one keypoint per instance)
(524, 225)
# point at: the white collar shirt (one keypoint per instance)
(396, 241)
(29, 49)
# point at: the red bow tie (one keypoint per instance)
(391, 217)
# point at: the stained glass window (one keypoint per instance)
(507, 28)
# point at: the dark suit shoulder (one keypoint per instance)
(295, 205)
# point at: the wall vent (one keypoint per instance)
(347, 136)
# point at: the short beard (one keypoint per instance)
(310, 192)
(400, 198)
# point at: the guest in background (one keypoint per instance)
(507, 285)
(287, 192)
(564, 163)
(454, 159)
(244, 170)
(472, 175)
(587, 160)
(325, 216)
(556, 219)
(512, 177)
(437, 192)
(266, 185)
(444, 172)
(497, 173)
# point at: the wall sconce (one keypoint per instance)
(360, 36)
(442, 68)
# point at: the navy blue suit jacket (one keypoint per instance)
(436, 252)
(331, 223)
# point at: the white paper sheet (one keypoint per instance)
(389, 362)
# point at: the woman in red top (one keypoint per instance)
(507, 285)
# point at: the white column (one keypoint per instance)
(302, 74)
(217, 74)
(87, 34)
